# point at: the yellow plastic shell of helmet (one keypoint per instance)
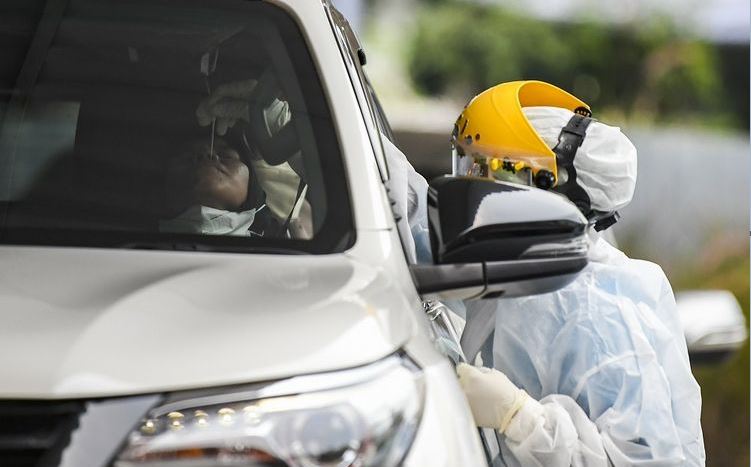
(493, 126)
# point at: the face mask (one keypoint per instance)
(210, 221)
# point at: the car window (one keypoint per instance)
(107, 111)
(383, 122)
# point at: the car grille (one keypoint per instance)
(35, 433)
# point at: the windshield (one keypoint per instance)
(165, 124)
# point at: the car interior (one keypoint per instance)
(106, 93)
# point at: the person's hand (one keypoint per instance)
(228, 103)
(492, 397)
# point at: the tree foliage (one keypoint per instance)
(645, 70)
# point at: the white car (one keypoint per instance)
(135, 333)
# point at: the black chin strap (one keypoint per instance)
(603, 220)
(569, 141)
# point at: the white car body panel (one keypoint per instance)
(97, 322)
(93, 323)
(447, 434)
(83, 322)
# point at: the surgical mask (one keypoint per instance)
(206, 220)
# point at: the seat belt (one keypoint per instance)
(300, 188)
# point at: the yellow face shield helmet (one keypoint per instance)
(493, 138)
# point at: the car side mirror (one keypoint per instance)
(491, 239)
(713, 324)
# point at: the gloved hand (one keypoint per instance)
(493, 398)
(228, 103)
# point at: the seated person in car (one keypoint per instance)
(209, 193)
(205, 193)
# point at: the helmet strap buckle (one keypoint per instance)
(569, 141)
(605, 220)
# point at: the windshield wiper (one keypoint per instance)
(203, 247)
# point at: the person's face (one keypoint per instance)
(219, 181)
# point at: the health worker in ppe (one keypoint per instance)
(597, 373)
(216, 191)
(408, 193)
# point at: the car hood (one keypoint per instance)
(92, 322)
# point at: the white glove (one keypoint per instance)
(493, 398)
(228, 103)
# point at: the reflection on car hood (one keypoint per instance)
(80, 323)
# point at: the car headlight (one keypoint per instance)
(366, 416)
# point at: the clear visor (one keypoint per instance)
(487, 167)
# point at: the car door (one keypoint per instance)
(443, 320)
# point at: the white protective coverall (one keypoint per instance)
(408, 190)
(603, 360)
(606, 359)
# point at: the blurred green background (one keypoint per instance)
(674, 75)
(646, 70)
(725, 387)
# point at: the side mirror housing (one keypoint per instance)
(492, 239)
